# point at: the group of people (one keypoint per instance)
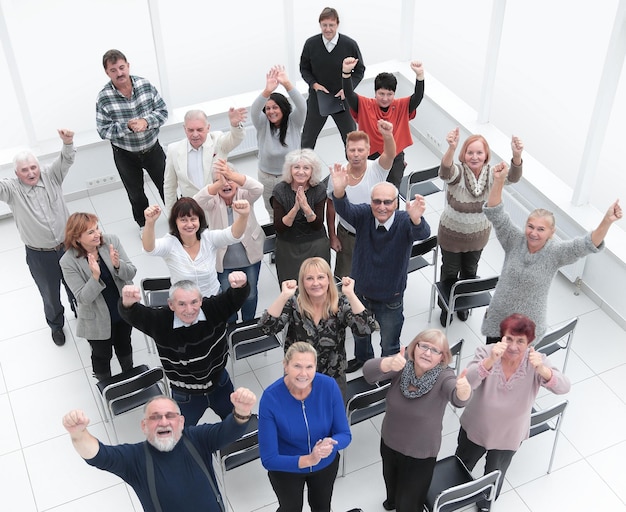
(214, 249)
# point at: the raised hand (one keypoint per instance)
(614, 212)
(288, 288)
(453, 138)
(418, 69)
(92, 259)
(349, 63)
(395, 363)
(347, 285)
(271, 81)
(131, 294)
(500, 172)
(463, 388)
(237, 115)
(75, 421)
(339, 175)
(152, 213)
(497, 349)
(241, 206)
(237, 279)
(67, 136)
(385, 127)
(243, 400)
(281, 75)
(416, 208)
(517, 146)
(115, 256)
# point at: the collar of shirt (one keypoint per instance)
(387, 224)
(330, 43)
(179, 323)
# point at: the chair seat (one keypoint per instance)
(137, 370)
(243, 450)
(424, 189)
(468, 302)
(449, 472)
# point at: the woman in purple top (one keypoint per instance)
(505, 377)
(422, 384)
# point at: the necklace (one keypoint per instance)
(357, 177)
(191, 245)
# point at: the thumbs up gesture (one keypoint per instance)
(463, 388)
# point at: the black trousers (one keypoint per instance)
(130, 166)
(397, 168)
(102, 350)
(407, 479)
(314, 122)
(470, 453)
(289, 488)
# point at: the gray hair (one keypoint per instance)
(186, 285)
(160, 397)
(196, 114)
(303, 155)
(385, 184)
(24, 156)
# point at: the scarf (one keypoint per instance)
(413, 386)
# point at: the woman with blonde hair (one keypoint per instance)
(422, 384)
(319, 315)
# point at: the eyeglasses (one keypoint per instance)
(426, 348)
(386, 202)
(168, 416)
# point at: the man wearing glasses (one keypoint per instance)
(384, 238)
(190, 335)
(166, 474)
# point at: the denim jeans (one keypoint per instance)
(248, 310)
(390, 318)
(193, 406)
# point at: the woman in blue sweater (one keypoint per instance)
(302, 427)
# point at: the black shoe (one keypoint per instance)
(388, 506)
(58, 337)
(462, 314)
(354, 365)
(273, 259)
(443, 318)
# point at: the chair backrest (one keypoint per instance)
(547, 419)
(455, 350)
(419, 249)
(133, 388)
(420, 182)
(472, 293)
(557, 339)
(155, 291)
(452, 486)
(365, 400)
(247, 339)
(243, 450)
(270, 238)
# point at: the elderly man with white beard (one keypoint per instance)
(166, 474)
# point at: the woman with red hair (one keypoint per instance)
(463, 228)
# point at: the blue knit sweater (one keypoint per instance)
(380, 260)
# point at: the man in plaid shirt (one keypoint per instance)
(129, 112)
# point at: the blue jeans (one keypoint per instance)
(193, 406)
(46, 271)
(248, 310)
(390, 318)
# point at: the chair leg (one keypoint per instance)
(343, 461)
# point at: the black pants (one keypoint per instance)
(456, 266)
(102, 350)
(289, 488)
(130, 166)
(314, 122)
(470, 453)
(407, 479)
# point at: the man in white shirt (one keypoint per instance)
(189, 162)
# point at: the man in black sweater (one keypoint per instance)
(191, 338)
(320, 67)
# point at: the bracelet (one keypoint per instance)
(346, 75)
(240, 417)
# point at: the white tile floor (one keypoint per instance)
(39, 382)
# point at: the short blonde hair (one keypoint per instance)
(434, 337)
(299, 347)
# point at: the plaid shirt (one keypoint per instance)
(114, 110)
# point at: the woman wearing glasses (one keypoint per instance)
(422, 384)
(506, 377)
(302, 427)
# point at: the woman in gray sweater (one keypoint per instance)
(532, 259)
(422, 384)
